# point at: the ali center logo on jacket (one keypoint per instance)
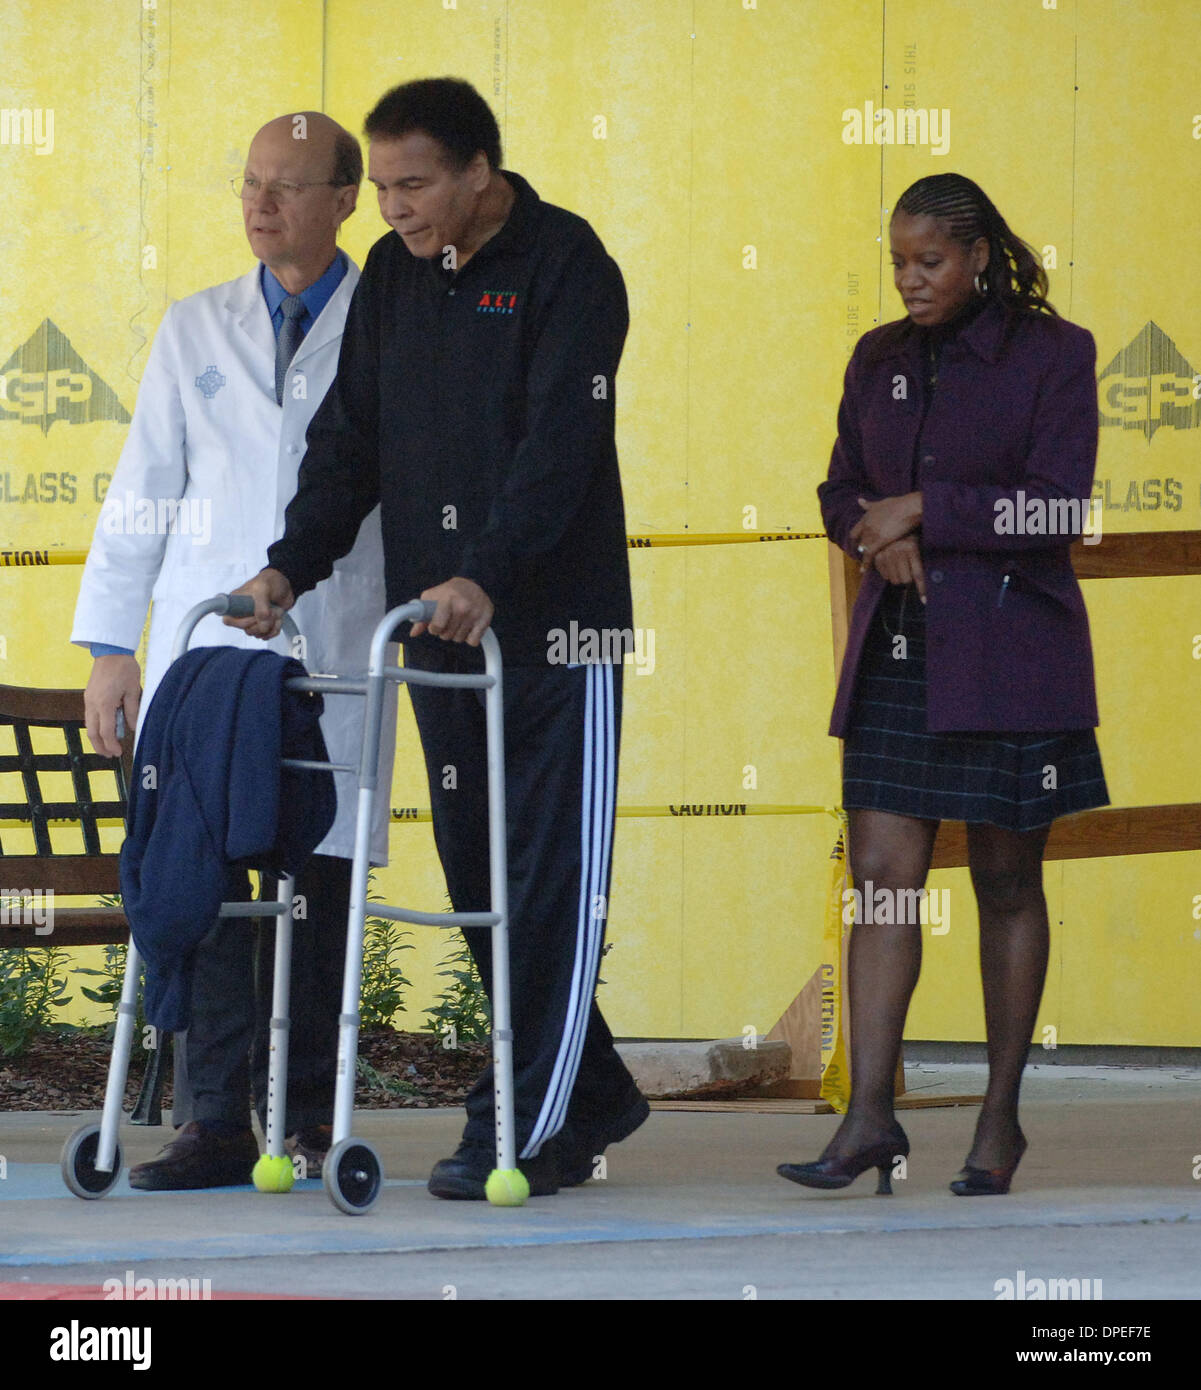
(1149, 385)
(496, 302)
(46, 380)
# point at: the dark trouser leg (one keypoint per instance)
(891, 853)
(183, 1102)
(318, 964)
(1006, 867)
(604, 1082)
(561, 760)
(218, 1039)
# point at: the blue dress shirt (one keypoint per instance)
(315, 298)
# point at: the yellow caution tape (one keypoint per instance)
(53, 556)
(16, 556)
(725, 809)
(717, 808)
(405, 814)
(835, 1063)
(720, 538)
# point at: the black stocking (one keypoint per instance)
(887, 852)
(1006, 870)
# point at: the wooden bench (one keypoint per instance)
(99, 792)
(85, 872)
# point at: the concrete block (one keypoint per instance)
(720, 1069)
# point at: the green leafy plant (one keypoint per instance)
(33, 983)
(112, 973)
(112, 976)
(463, 1009)
(384, 1085)
(384, 983)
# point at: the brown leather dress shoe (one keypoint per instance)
(197, 1157)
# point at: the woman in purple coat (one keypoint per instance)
(963, 471)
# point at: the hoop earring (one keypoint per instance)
(981, 289)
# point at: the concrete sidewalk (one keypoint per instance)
(690, 1207)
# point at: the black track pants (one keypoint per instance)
(562, 727)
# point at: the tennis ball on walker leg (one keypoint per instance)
(507, 1187)
(273, 1174)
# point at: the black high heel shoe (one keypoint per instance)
(988, 1182)
(831, 1173)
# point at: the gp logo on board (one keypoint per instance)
(496, 302)
(1149, 385)
(46, 380)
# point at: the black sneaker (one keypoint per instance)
(462, 1177)
(197, 1157)
(579, 1149)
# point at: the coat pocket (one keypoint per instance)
(1050, 575)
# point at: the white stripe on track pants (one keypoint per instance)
(562, 727)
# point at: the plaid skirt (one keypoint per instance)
(891, 762)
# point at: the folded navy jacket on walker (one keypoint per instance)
(210, 799)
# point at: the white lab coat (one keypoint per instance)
(207, 430)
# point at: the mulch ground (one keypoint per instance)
(66, 1070)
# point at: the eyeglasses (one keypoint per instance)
(279, 190)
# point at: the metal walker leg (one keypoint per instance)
(352, 1172)
(91, 1157)
(273, 1172)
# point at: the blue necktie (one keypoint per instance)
(287, 342)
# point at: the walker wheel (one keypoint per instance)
(78, 1164)
(352, 1176)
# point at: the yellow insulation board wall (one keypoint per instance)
(717, 146)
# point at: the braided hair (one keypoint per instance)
(1014, 274)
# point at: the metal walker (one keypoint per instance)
(352, 1173)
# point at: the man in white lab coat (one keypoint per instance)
(210, 462)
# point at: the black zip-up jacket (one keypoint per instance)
(477, 407)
